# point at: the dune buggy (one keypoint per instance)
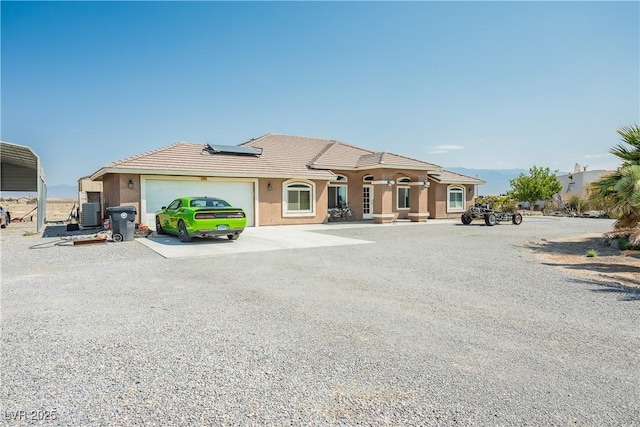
(490, 216)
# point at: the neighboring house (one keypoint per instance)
(577, 183)
(281, 179)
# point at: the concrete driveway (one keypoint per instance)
(253, 239)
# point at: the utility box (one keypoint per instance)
(90, 215)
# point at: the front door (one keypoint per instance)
(367, 201)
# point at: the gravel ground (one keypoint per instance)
(433, 324)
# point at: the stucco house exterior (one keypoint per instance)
(577, 183)
(283, 179)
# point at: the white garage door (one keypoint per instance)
(161, 192)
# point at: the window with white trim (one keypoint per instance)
(337, 196)
(298, 198)
(402, 194)
(455, 199)
(337, 192)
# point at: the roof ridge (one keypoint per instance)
(146, 153)
(322, 152)
(461, 174)
(411, 158)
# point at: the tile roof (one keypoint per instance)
(332, 154)
(448, 177)
(185, 158)
(282, 156)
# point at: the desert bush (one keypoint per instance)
(498, 203)
(592, 253)
(625, 245)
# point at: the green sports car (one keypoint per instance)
(189, 217)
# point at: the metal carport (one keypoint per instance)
(21, 170)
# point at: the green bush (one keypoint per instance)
(498, 203)
(592, 253)
(625, 245)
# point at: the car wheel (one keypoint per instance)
(159, 228)
(517, 219)
(466, 219)
(233, 236)
(183, 235)
(490, 219)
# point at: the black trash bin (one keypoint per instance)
(123, 222)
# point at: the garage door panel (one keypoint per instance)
(160, 193)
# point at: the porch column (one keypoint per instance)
(382, 201)
(418, 201)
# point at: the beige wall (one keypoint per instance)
(270, 203)
(433, 199)
(116, 192)
(438, 200)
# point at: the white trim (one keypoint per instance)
(285, 199)
(418, 214)
(341, 185)
(464, 198)
(383, 216)
(145, 178)
(382, 182)
(398, 188)
(212, 174)
(368, 181)
(371, 189)
(420, 183)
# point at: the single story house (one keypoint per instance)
(282, 179)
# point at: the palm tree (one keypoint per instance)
(619, 192)
(631, 136)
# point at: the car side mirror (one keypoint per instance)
(164, 207)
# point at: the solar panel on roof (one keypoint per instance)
(232, 149)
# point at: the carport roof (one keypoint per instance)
(19, 155)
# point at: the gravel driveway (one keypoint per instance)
(433, 324)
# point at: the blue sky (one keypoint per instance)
(488, 85)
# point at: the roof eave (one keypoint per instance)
(180, 172)
(378, 166)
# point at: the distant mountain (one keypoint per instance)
(497, 179)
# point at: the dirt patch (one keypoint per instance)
(57, 209)
(611, 267)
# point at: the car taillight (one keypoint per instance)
(235, 215)
(216, 215)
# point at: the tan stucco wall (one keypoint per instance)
(270, 203)
(116, 192)
(438, 200)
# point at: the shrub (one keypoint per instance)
(592, 253)
(625, 245)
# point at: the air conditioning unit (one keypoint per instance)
(90, 215)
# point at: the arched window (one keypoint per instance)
(298, 198)
(367, 178)
(455, 199)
